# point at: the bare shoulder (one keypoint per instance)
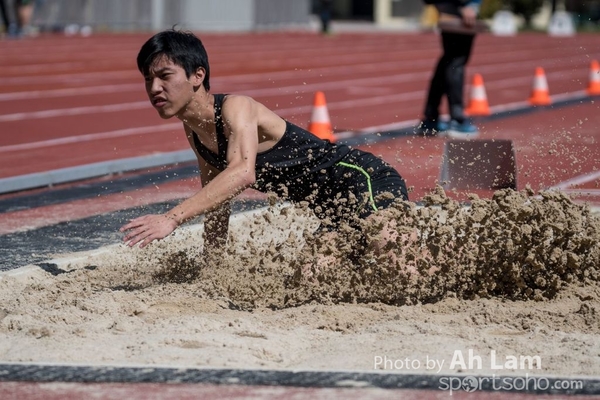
(239, 109)
(239, 103)
(235, 102)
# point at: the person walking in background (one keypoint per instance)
(6, 25)
(24, 11)
(325, 15)
(5, 20)
(448, 78)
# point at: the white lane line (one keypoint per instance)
(577, 180)
(257, 92)
(69, 78)
(343, 64)
(90, 137)
(516, 64)
(61, 112)
(85, 171)
(62, 66)
(284, 113)
(583, 192)
(75, 91)
(520, 105)
(293, 89)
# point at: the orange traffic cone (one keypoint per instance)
(594, 84)
(540, 95)
(478, 104)
(320, 125)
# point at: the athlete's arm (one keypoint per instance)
(216, 222)
(241, 122)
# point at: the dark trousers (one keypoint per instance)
(5, 19)
(449, 76)
(325, 20)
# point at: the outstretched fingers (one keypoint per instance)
(144, 230)
(138, 231)
(134, 223)
(137, 236)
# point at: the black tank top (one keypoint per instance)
(293, 168)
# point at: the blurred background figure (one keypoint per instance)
(7, 27)
(24, 11)
(5, 20)
(325, 13)
(448, 78)
(16, 18)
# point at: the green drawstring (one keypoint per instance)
(362, 171)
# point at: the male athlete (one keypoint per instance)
(241, 144)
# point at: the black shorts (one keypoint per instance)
(357, 186)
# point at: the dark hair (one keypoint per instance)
(182, 48)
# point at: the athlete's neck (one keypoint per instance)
(199, 113)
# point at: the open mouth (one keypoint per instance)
(159, 102)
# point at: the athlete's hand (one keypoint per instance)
(469, 15)
(147, 228)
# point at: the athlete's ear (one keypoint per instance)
(198, 77)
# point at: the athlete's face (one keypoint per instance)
(169, 89)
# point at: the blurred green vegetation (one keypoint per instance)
(489, 8)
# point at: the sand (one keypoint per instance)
(509, 285)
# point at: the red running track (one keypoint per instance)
(162, 391)
(70, 101)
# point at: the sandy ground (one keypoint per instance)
(508, 286)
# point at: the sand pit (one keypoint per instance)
(514, 279)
